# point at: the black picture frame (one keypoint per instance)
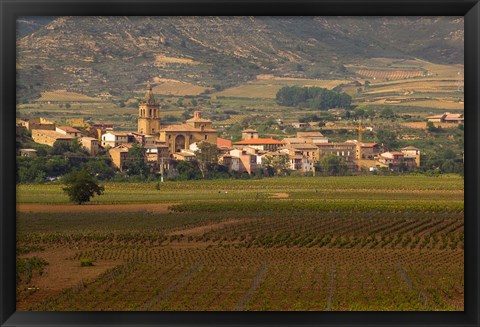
(11, 9)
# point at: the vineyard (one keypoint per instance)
(327, 244)
(390, 74)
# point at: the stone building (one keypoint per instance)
(412, 152)
(90, 144)
(266, 144)
(176, 137)
(249, 134)
(342, 149)
(49, 137)
(179, 137)
(149, 114)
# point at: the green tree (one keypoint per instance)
(387, 113)
(81, 187)
(30, 169)
(332, 165)
(277, 165)
(370, 113)
(61, 147)
(387, 138)
(187, 170)
(100, 167)
(137, 165)
(359, 112)
(207, 157)
(431, 127)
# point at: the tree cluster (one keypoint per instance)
(312, 97)
(59, 160)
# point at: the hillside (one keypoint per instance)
(95, 55)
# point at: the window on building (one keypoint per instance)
(206, 137)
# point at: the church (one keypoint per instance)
(177, 137)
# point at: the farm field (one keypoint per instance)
(65, 96)
(319, 243)
(267, 87)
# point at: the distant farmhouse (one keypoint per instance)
(446, 118)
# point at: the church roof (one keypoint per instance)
(185, 128)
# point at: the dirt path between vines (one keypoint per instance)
(195, 231)
(90, 207)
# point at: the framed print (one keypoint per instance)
(239, 163)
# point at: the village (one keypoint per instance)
(164, 145)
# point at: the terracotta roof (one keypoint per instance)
(295, 140)
(334, 143)
(309, 134)
(453, 118)
(223, 142)
(185, 128)
(395, 153)
(68, 129)
(119, 149)
(259, 142)
(304, 146)
(117, 133)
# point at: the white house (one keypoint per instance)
(113, 139)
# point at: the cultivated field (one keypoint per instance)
(173, 87)
(318, 243)
(65, 96)
(266, 87)
(389, 74)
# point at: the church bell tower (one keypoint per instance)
(149, 113)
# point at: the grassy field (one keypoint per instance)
(350, 243)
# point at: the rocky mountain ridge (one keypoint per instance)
(93, 55)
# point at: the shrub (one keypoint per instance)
(86, 262)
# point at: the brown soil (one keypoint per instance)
(195, 231)
(90, 207)
(61, 273)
